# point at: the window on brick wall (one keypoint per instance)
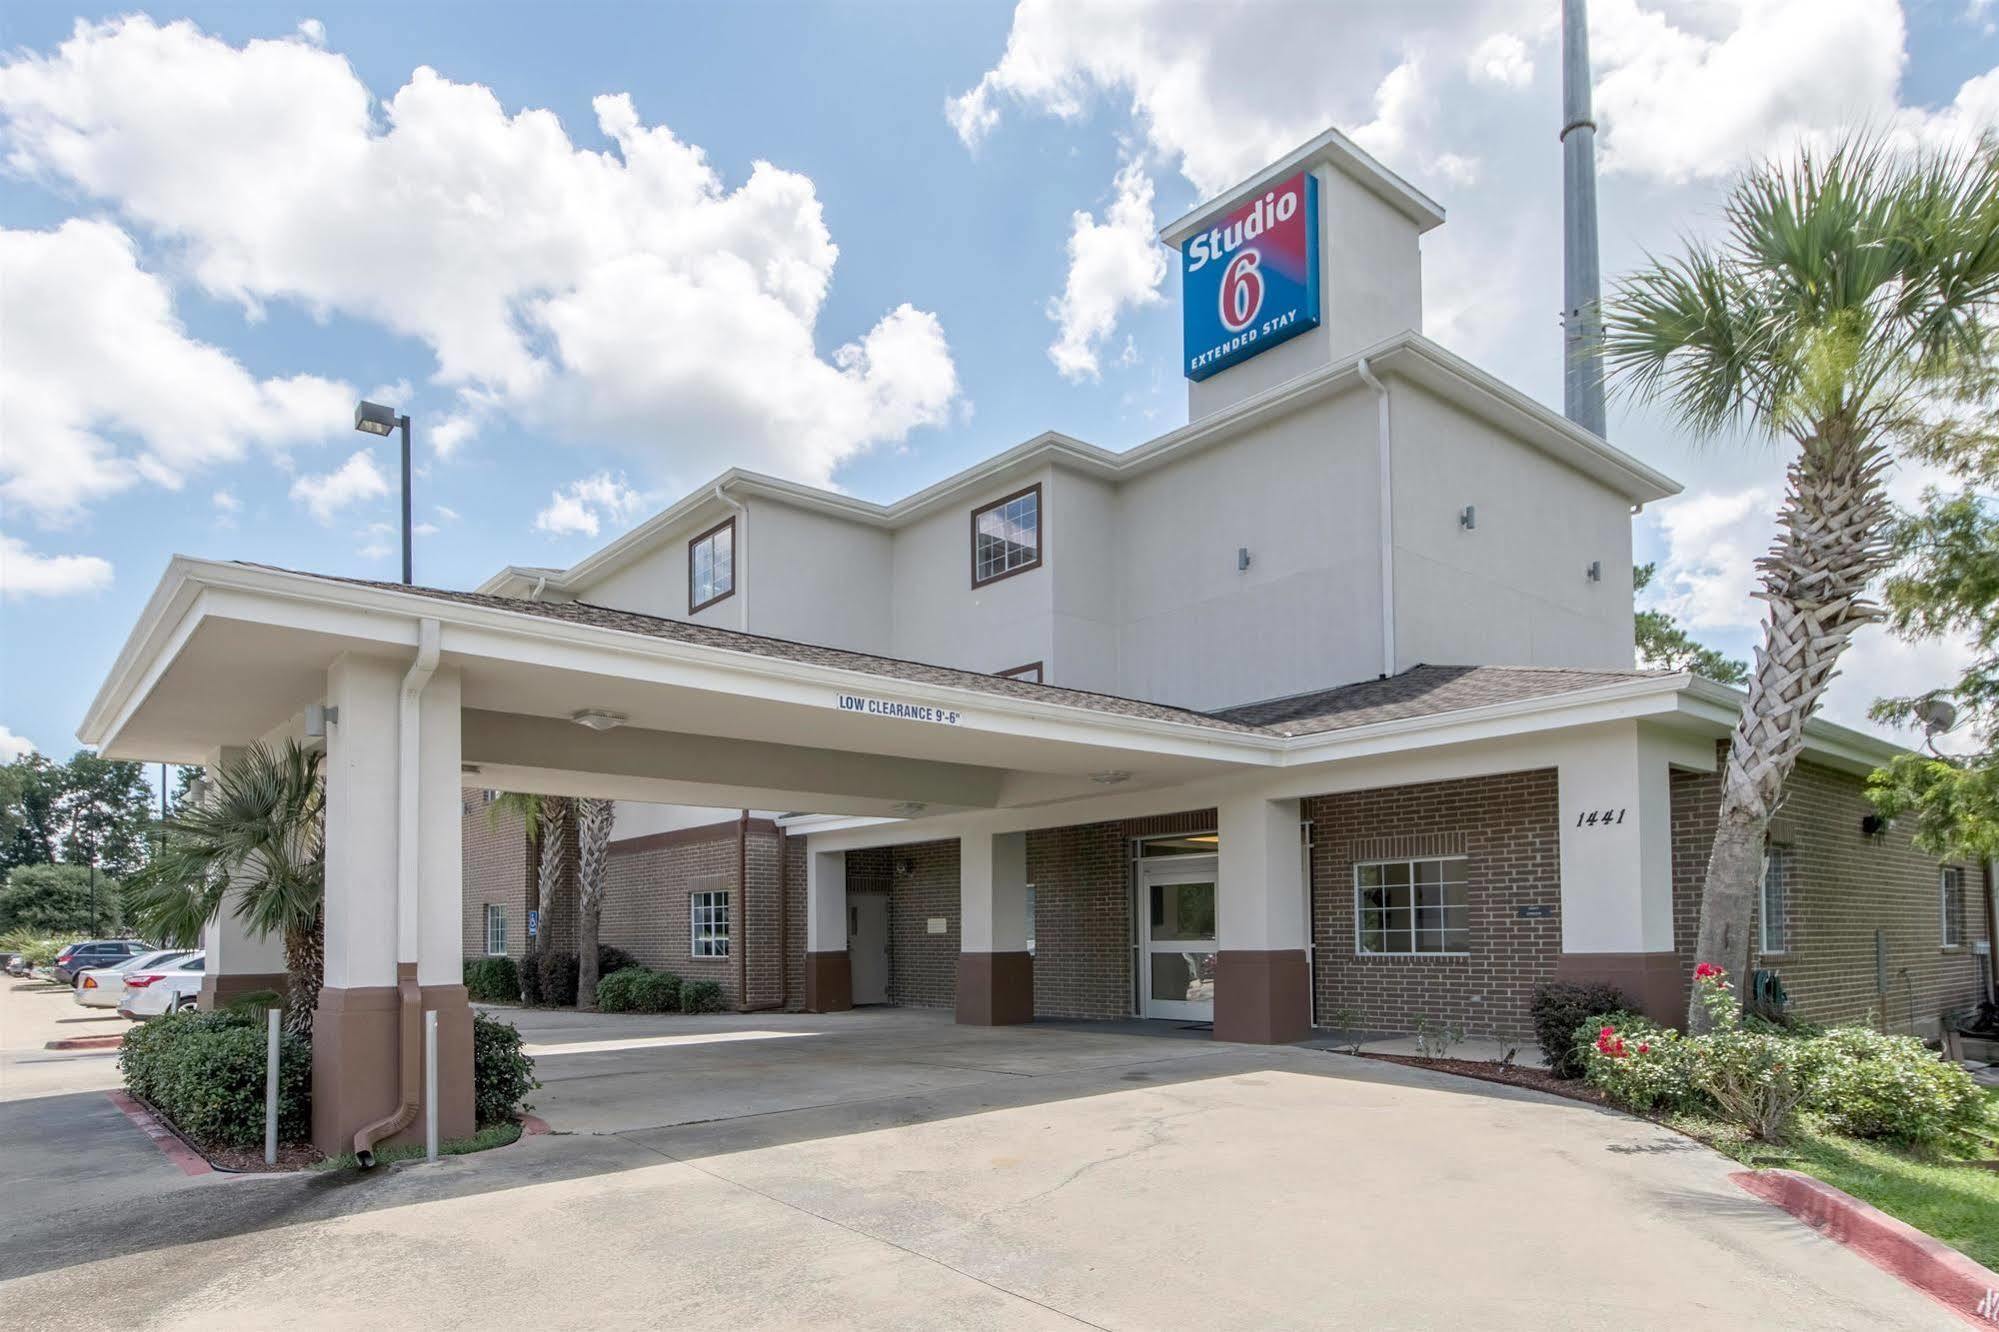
(1950, 906)
(496, 930)
(1408, 907)
(709, 914)
(1774, 907)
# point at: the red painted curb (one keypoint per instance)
(190, 1161)
(533, 1124)
(1966, 1288)
(87, 1043)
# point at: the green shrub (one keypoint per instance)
(502, 1073)
(1558, 1009)
(530, 971)
(1638, 1065)
(39, 950)
(611, 958)
(558, 979)
(205, 1073)
(1867, 1085)
(639, 990)
(700, 996)
(492, 979)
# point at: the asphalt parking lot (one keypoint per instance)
(889, 1169)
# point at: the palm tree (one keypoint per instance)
(546, 819)
(257, 846)
(1846, 289)
(593, 835)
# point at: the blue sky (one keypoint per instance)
(964, 211)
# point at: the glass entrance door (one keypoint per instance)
(1177, 937)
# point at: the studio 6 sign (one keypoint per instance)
(1251, 280)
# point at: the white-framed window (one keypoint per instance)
(1774, 905)
(1411, 907)
(1006, 536)
(708, 914)
(496, 930)
(711, 566)
(1950, 906)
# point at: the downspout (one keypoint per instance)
(784, 919)
(739, 925)
(1991, 935)
(741, 571)
(1382, 453)
(409, 791)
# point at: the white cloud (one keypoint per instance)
(226, 502)
(582, 507)
(26, 573)
(313, 31)
(14, 746)
(1501, 59)
(355, 481)
(625, 296)
(1113, 264)
(446, 512)
(102, 387)
(1712, 544)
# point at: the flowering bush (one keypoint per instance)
(1636, 1063)
(1868, 1085)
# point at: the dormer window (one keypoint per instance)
(1006, 537)
(711, 566)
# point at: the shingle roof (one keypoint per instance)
(1417, 692)
(1420, 691)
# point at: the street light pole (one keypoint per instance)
(371, 418)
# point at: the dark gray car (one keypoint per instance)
(78, 958)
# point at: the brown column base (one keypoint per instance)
(1654, 981)
(829, 982)
(222, 991)
(355, 1067)
(1262, 996)
(995, 989)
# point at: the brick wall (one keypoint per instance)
(647, 882)
(1842, 887)
(1506, 827)
(1082, 920)
(921, 880)
(499, 870)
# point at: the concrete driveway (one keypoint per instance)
(889, 1169)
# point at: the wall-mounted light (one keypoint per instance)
(1242, 559)
(1595, 571)
(598, 719)
(908, 809)
(1873, 826)
(1110, 777)
(1468, 517)
(318, 717)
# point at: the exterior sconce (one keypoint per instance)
(597, 719)
(1595, 571)
(318, 717)
(1242, 559)
(1468, 517)
(1873, 826)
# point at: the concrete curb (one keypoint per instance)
(86, 1043)
(1964, 1287)
(190, 1161)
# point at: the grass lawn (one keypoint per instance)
(493, 1135)
(1939, 1195)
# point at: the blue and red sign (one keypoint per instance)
(1250, 280)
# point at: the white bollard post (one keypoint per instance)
(271, 1088)
(430, 1085)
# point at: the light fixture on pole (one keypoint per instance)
(371, 418)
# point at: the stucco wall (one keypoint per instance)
(939, 617)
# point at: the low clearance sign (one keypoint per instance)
(1251, 279)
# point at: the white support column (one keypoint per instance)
(995, 970)
(1615, 819)
(361, 823)
(440, 845)
(236, 960)
(829, 975)
(1262, 982)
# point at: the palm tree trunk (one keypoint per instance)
(1829, 547)
(305, 958)
(554, 846)
(593, 829)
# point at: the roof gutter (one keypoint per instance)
(1383, 458)
(409, 792)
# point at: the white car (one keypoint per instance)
(163, 989)
(104, 987)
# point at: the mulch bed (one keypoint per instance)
(1511, 1075)
(250, 1160)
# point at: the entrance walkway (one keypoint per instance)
(886, 1168)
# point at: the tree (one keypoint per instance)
(88, 810)
(547, 820)
(29, 789)
(257, 848)
(59, 899)
(1664, 646)
(593, 839)
(1847, 287)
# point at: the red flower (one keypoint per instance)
(1607, 1031)
(1644, 1047)
(1707, 971)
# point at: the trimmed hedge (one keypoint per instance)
(492, 979)
(1558, 1009)
(205, 1072)
(502, 1073)
(550, 978)
(701, 996)
(639, 990)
